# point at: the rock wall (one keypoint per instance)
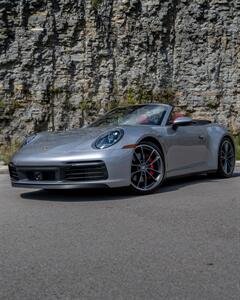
(62, 62)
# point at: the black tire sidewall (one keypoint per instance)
(220, 171)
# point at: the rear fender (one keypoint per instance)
(215, 136)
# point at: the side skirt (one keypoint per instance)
(189, 174)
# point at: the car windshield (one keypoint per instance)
(133, 115)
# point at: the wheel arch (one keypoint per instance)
(155, 141)
(215, 136)
(228, 136)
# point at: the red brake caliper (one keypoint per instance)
(152, 167)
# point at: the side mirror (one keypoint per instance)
(182, 121)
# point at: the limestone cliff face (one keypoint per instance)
(63, 61)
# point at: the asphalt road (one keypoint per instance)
(182, 242)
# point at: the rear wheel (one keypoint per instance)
(147, 169)
(226, 159)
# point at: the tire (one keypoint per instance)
(226, 158)
(147, 169)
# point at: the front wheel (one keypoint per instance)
(147, 169)
(226, 159)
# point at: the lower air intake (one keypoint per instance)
(13, 172)
(86, 171)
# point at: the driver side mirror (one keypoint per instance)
(182, 121)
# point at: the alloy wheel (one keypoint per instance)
(227, 157)
(147, 169)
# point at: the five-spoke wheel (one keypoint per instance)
(147, 169)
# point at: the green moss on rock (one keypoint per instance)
(96, 3)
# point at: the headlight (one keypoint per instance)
(29, 140)
(109, 139)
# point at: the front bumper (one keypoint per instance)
(30, 171)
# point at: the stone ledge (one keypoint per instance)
(3, 169)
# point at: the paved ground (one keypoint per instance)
(180, 243)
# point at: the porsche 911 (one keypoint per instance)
(137, 146)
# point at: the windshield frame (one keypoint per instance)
(168, 109)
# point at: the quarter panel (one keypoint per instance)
(215, 136)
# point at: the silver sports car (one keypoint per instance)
(136, 146)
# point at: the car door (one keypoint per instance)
(186, 149)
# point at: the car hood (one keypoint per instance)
(65, 141)
(80, 140)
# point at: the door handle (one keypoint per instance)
(201, 137)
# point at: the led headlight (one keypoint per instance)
(29, 140)
(109, 139)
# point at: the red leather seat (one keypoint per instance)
(142, 119)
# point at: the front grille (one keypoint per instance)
(73, 171)
(13, 172)
(85, 171)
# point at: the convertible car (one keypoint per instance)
(136, 146)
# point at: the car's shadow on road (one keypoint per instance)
(86, 195)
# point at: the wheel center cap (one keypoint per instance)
(143, 167)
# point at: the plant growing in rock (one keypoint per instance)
(96, 3)
(166, 96)
(212, 104)
(113, 104)
(2, 106)
(85, 107)
(237, 142)
(13, 106)
(130, 98)
(142, 95)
